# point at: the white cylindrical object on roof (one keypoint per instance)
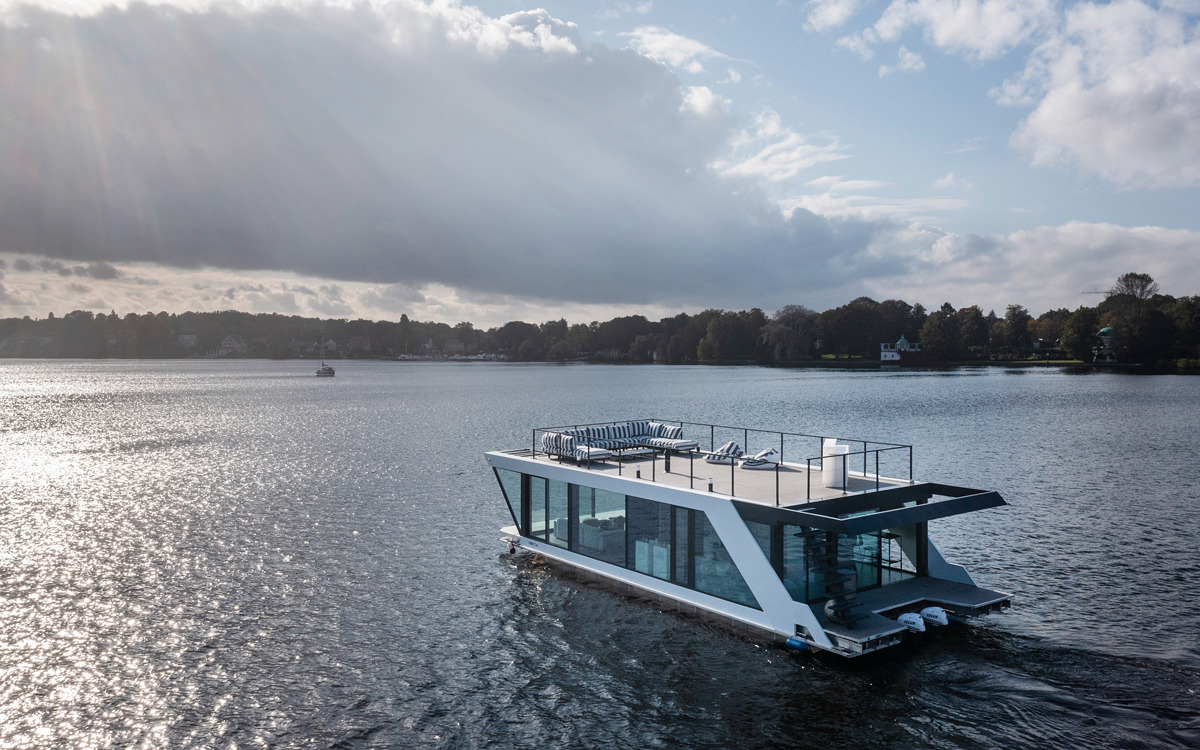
(833, 464)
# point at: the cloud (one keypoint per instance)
(617, 10)
(971, 144)
(394, 298)
(980, 29)
(1046, 267)
(400, 143)
(829, 14)
(775, 152)
(700, 100)
(98, 271)
(909, 62)
(950, 182)
(668, 47)
(1117, 94)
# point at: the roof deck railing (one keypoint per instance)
(870, 452)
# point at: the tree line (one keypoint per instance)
(1134, 323)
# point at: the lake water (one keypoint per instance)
(238, 554)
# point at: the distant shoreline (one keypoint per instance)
(825, 364)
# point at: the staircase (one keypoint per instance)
(821, 552)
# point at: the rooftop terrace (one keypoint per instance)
(800, 477)
(866, 486)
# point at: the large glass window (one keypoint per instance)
(715, 572)
(866, 552)
(600, 532)
(537, 507)
(649, 537)
(795, 573)
(683, 525)
(656, 539)
(510, 486)
(558, 516)
(783, 544)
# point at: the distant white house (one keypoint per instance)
(229, 345)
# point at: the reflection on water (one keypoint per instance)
(239, 554)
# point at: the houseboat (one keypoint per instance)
(813, 541)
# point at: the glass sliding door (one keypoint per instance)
(795, 566)
(681, 534)
(600, 531)
(557, 516)
(537, 507)
(649, 537)
(867, 559)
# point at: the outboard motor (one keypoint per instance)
(935, 616)
(912, 621)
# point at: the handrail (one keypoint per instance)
(868, 447)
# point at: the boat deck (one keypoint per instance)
(960, 600)
(786, 486)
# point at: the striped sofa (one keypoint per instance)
(598, 442)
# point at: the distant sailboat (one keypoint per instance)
(324, 371)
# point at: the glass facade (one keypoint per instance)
(714, 571)
(649, 537)
(557, 513)
(799, 554)
(600, 521)
(537, 508)
(656, 539)
(680, 545)
(681, 571)
(510, 485)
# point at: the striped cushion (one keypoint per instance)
(558, 443)
(671, 444)
(729, 449)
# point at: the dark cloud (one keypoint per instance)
(101, 271)
(363, 145)
(393, 297)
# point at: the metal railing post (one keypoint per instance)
(808, 481)
(864, 458)
(732, 466)
(845, 474)
(691, 471)
(877, 471)
(777, 485)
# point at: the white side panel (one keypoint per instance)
(938, 567)
(783, 612)
(747, 615)
(780, 613)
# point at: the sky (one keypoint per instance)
(582, 160)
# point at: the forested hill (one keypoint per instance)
(1134, 323)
